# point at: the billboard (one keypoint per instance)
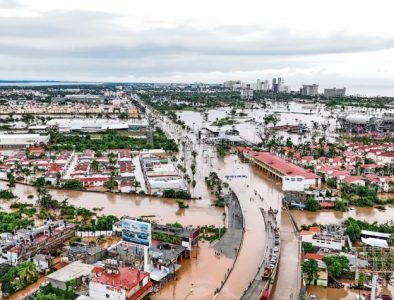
(136, 232)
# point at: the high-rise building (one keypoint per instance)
(259, 85)
(310, 90)
(232, 84)
(266, 86)
(334, 92)
(247, 92)
(273, 81)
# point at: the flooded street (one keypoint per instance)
(197, 277)
(202, 275)
(368, 214)
(285, 286)
(249, 126)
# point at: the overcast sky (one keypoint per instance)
(332, 43)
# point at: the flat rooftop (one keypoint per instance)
(72, 271)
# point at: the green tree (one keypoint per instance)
(308, 248)
(27, 272)
(337, 265)
(311, 204)
(111, 183)
(353, 230)
(41, 187)
(42, 296)
(11, 180)
(362, 278)
(73, 184)
(311, 270)
(340, 205)
(94, 166)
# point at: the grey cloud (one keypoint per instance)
(9, 3)
(81, 44)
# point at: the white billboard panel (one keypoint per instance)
(136, 232)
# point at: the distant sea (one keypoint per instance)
(44, 83)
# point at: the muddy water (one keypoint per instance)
(345, 293)
(289, 275)
(164, 210)
(330, 216)
(295, 114)
(197, 277)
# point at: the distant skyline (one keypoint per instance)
(335, 43)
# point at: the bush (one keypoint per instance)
(308, 248)
(73, 184)
(6, 194)
(182, 204)
(176, 194)
(312, 205)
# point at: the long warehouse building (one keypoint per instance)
(13, 141)
(293, 177)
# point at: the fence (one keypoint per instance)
(94, 233)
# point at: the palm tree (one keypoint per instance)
(27, 173)
(111, 183)
(136, 184)
(94, 166)
(54, 134)
(11, 180)
(27, 271)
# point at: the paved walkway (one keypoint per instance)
(229, 244)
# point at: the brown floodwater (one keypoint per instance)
(164, 210)
(198, 276)
(289, 274)
(368, 214)
(345, 293)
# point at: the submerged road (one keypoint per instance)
(254, 192)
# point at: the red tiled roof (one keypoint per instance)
(283, 166)
(387, 154)
(141, 291)
(98, 269)
(327, 204)
(55, 168)
(127, 278)
(89, 179)
(313, 256)
(314, 229)
(351, 179)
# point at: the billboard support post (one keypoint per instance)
(146, 263)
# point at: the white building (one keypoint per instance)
(247, 92)
(294, 183)
(121, 283)
(97, 125)
(334, 92)
(266, 86)
(8, 141)
(159, 185)
(323, 240)
(310, 90)
(74, 271)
